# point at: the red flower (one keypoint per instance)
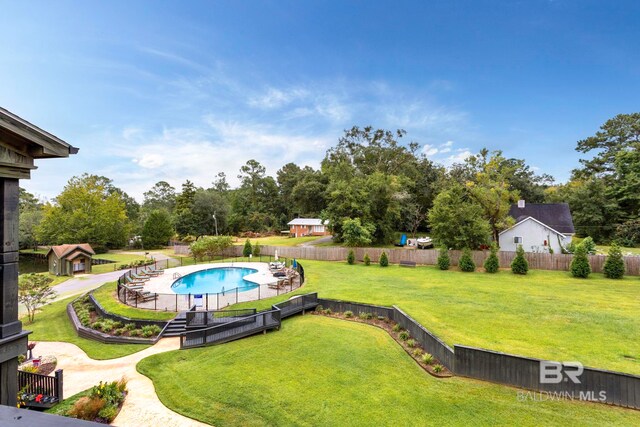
(38, 398)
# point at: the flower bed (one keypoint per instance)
(401, 336)
(101, 403)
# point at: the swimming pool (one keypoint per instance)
(214, 280)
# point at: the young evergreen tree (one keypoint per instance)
(492, 264)
(580, 264)
(384, 260)
(247, 250)
(443, 258)
(351, 258)
(367, 259)
(256, 250)
(466, 263)
(614, 265)
(519, 264)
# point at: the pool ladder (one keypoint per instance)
(177, 275)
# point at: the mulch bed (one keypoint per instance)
(387, 325)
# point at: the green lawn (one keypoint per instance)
(119, 257)
(53, 324)
(277, 240)
(545, 314)
(106, 296)
(322, 371)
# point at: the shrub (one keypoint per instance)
(443, 259)
(119, 331)
(351, 258)
(247, 250)
(417, 352)
(384, 260)
(614, 265)
(328, 311)
(87, 408)
(492, 264)
(519, 264)
(589, 245)
(256, 250)
(319, 309)
(97, 325)
(367, 259)
(108, 413)
(130, 326)
(348, 314)
(117, 325)
(404, 335)
(427, 358)
(149, 330)
(411, 343)
(30, 368)
(396, 327)
(135, 333)
(365, 316)
(21, 359)
(466, 263)
(580, 267)
(438, 368)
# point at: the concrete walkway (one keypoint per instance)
(142, 406)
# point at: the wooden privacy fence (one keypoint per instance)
(614, 388)
(538, 261)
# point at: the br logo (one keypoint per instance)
(557, 372)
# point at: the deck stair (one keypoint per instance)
(241, 323)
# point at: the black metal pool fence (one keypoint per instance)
(206, 301)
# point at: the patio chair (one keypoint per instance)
(144, 271)
(146, 296)
(131, 281)
(155, 270)
(139, 277)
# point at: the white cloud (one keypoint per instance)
(150, 161)
(275, 98)
(429, 150)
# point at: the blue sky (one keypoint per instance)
(173, 90)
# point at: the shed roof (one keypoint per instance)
(63, 250)
(554, 215)
(308, 221)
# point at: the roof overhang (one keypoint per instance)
(532, 219)
(21, 142)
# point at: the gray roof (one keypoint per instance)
(307, 221)
(554, 215)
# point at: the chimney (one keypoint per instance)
(521, 204)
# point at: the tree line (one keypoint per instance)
(369, 185)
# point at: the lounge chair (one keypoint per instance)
(403, 241)
(131, 281)
(146, 272)
(146, 296)
(155, 270)
(140, 278)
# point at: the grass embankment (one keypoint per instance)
(276, 240)
(321, 371)
(53, 324)
(119, 258)
(545, 314)
(106, 296)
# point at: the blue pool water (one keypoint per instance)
(214, 280)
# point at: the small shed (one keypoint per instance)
(67, 260)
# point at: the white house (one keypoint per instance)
(539, 227)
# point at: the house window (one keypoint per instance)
(517, 240)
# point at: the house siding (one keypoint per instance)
(533, 236)
(308, 230)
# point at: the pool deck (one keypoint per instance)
(166, 298)
(162, 284)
